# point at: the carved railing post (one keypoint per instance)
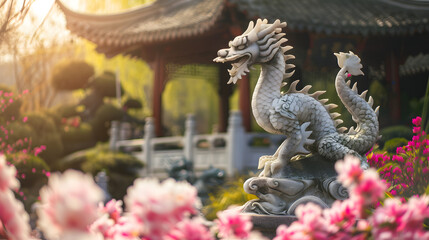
(125, 131)
(189, 137)
(149, 133)
(235, 143)
(114, 134)
(102, 181)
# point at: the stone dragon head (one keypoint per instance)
(258, 44)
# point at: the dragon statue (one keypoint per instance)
(306, 120)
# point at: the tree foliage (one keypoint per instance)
(12, 14)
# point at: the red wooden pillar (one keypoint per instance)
(158, 88)
(392, 77)
(224, 91)
(244, 104)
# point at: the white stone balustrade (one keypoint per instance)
(235, 151)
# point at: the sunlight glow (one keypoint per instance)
(41, 7)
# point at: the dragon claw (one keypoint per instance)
(264, 159)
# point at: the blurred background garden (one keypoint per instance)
(65, 77)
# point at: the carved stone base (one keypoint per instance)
(312, 179)
(267, 225)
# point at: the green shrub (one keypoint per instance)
(33, 180)
(105, 84)
(232, 194)
(391, 145)
(398, 131)
(102, 121)
(75, 139)
(47, 135)
(13, 110)
(56, 118)
(79, 134)
(71, 75)
(67, 110)
(54, 147)
(132, 103)
(121, 168)
(25, 163)
(111, 161)
(41, 123)
(108, 113)
(19, 131)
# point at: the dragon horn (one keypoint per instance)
(253, 34)
(271, 28)
(249, 28)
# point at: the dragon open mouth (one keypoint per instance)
(239, 66)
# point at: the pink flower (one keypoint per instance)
(232, 224)
(370, 188)
(342, 214)
(25, 119)
(7, 176)
(401, 221)
(113, 208)
(103, 225)
(164, 205)
(387, 219)
(416, 129)
(13, 217)
(417, 121)
(125, 229)
(310, 225)
(68, 204)
(417, 212)
(190, 230)
(348, 170)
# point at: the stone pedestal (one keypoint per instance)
(267, 225)
(311, 179)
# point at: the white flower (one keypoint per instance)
(69, 204)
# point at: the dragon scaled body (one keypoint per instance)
(305, 119)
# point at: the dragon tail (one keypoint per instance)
(365, 135)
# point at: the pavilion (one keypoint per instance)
(191, 32)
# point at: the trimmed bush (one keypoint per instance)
(20, 135)
(32, 172)
(67, 110)
(41, 123)
(121, 168)
(47, 135)
(391, 145)
(32, 167)
(102, 121)
(132, 103)
(56, 118)
(71, 75)
(398, 131)
(12, 110)
(105, 84)
(77, 138)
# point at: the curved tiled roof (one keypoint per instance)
(415, 64)
(363, 17)
(162, 20)
(167, 20)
